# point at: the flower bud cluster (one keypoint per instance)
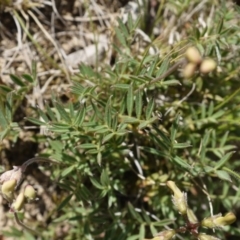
(196, 62)
(218, 221)
(179, 199)
(9, 181)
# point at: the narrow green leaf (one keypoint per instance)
(138, 104)
(219, 26)
(64, 202)
(28, 78)
(130, 22)
(174, 129)
(163, 68)
(120, 37)
(96, 183)
(17, 80)
(50, 113)
(142, 232)
(224, 139)
(80, 116)
(34, 70)
(143, 125)
(223, 160)
(154, 151)
(127, 119)
(87, 146)
(43, 115)
(135, 214)
(123, 28)
(153, 64)
(181, 145)
(59, 127)
(210, 109)
(172, 82)
(36, 121)
(203, 111)
(146, 217)
(64, 115)
(108, 113)
(4, 133)
(8, 108)
(108, 137)
(3, 120)
(104, 178)
(149, 109)
(5, 88)
(223, 175)
(181, 163)
(121, 86)
(67, 171)
(130, 100)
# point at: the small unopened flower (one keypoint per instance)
(165, 235)
(207, 65)
(191, 216)
(18, 204)
(203, 236)
(179, 198)
(219, 220)
(192, 54)
(30, 193)
(189, 70)
(8, 189)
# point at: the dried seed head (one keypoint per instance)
(207, 65)
(192, 54)
(8, 189)
(18, 204)
(30, 193)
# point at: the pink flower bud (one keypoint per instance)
(179, 198)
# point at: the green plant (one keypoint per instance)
(129, 127)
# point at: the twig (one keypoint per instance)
(24, 226)
(36, 160)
